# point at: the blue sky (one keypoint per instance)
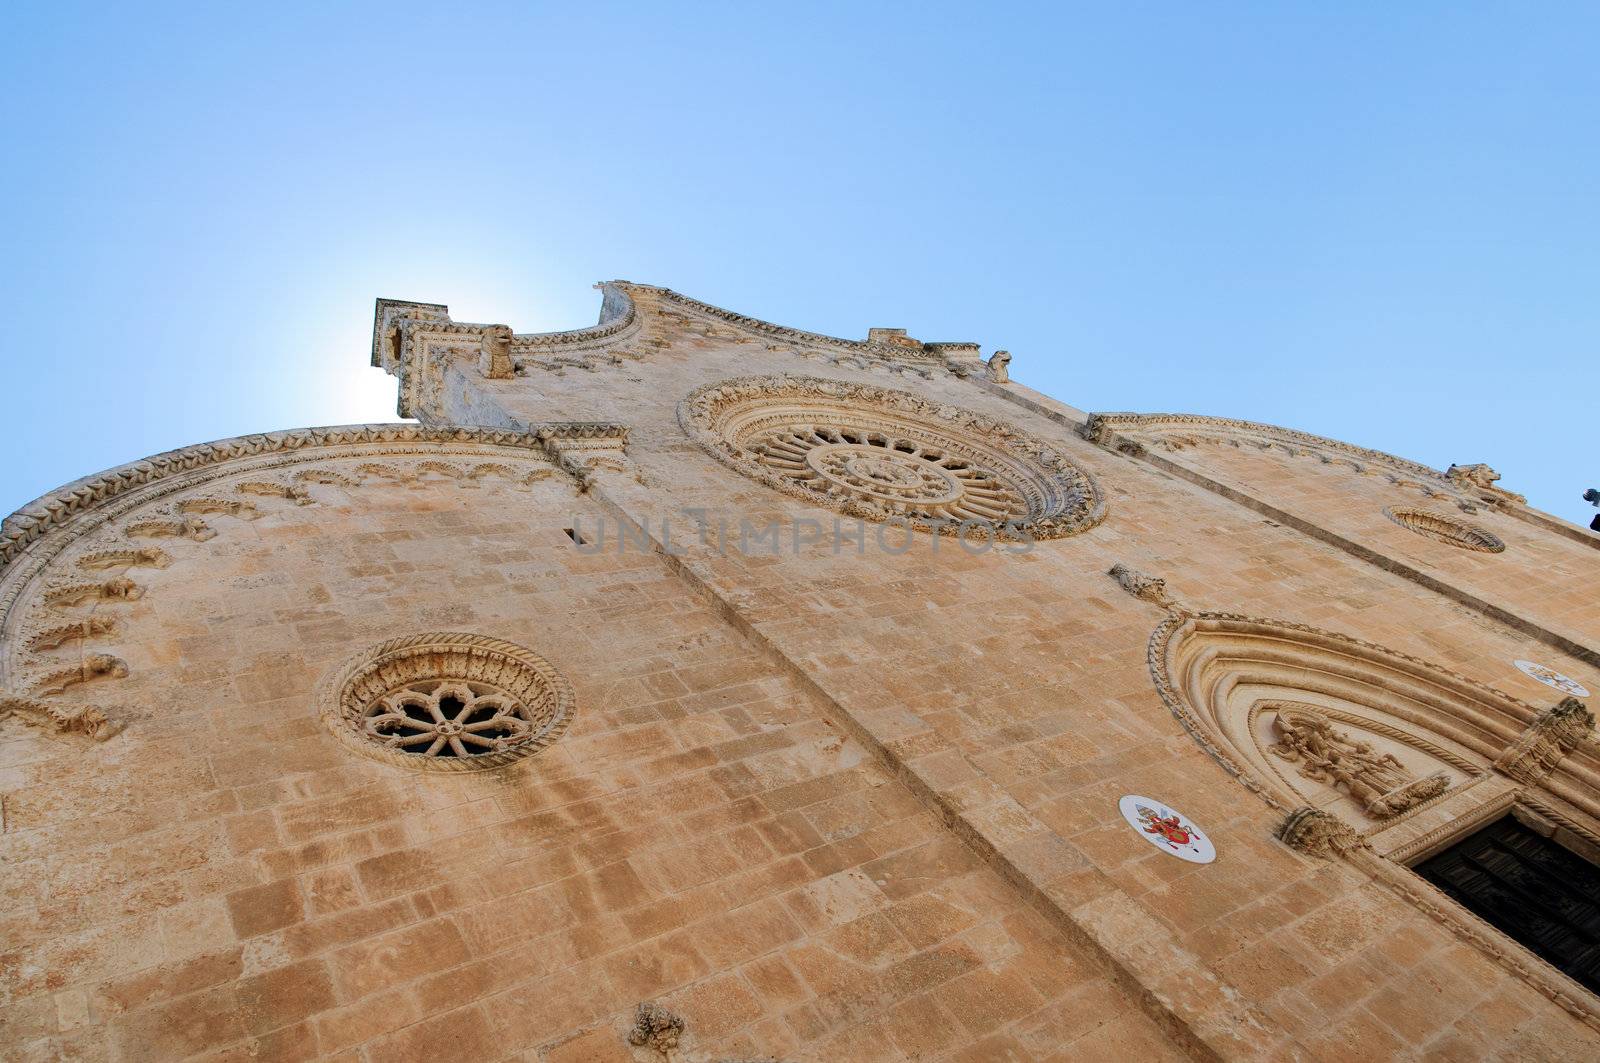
(1378, 221)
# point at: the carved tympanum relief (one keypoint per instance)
(1326, 754)
(1304, 716)
(888, 455)
(1443, 528)
(447, 701)
(1379, 757)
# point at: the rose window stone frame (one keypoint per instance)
(447, 701)
(890, 456)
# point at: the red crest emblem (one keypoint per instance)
(1167, 827)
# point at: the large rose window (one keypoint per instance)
(884, 455)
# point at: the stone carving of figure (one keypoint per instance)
(494, 353)
(1479, 474)
(999, 366)
(1377, 780)
(1482, 477)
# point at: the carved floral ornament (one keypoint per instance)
(882, 455)
(71, 562)
(446, 701)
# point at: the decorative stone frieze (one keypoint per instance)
(54, 509)
(886, 455)
(582, 448)
(231, 507)
(192, 528)
(90, 666)
(1443, 528)
(68, 595)
(58, 635)
(1553, 734)
(90, 720)
(275, 489)
(133, 557)
(205, 480)
(446, 701)
(1175, 431)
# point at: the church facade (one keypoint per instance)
(693, 688)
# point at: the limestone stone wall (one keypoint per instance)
(224, 877)
(820, 799)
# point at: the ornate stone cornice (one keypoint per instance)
(913, 350)
(61, 505)
(1105, 428)
(582, 448)
(414, 341)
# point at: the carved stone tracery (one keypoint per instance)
(880, 455)
(447, 701)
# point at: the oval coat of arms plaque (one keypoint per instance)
(1167, 829)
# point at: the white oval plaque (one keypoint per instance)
(1552, 678)
(1167, 829)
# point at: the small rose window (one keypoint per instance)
(448, 701)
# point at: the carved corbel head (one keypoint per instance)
(1000, 366)
(494, 353)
